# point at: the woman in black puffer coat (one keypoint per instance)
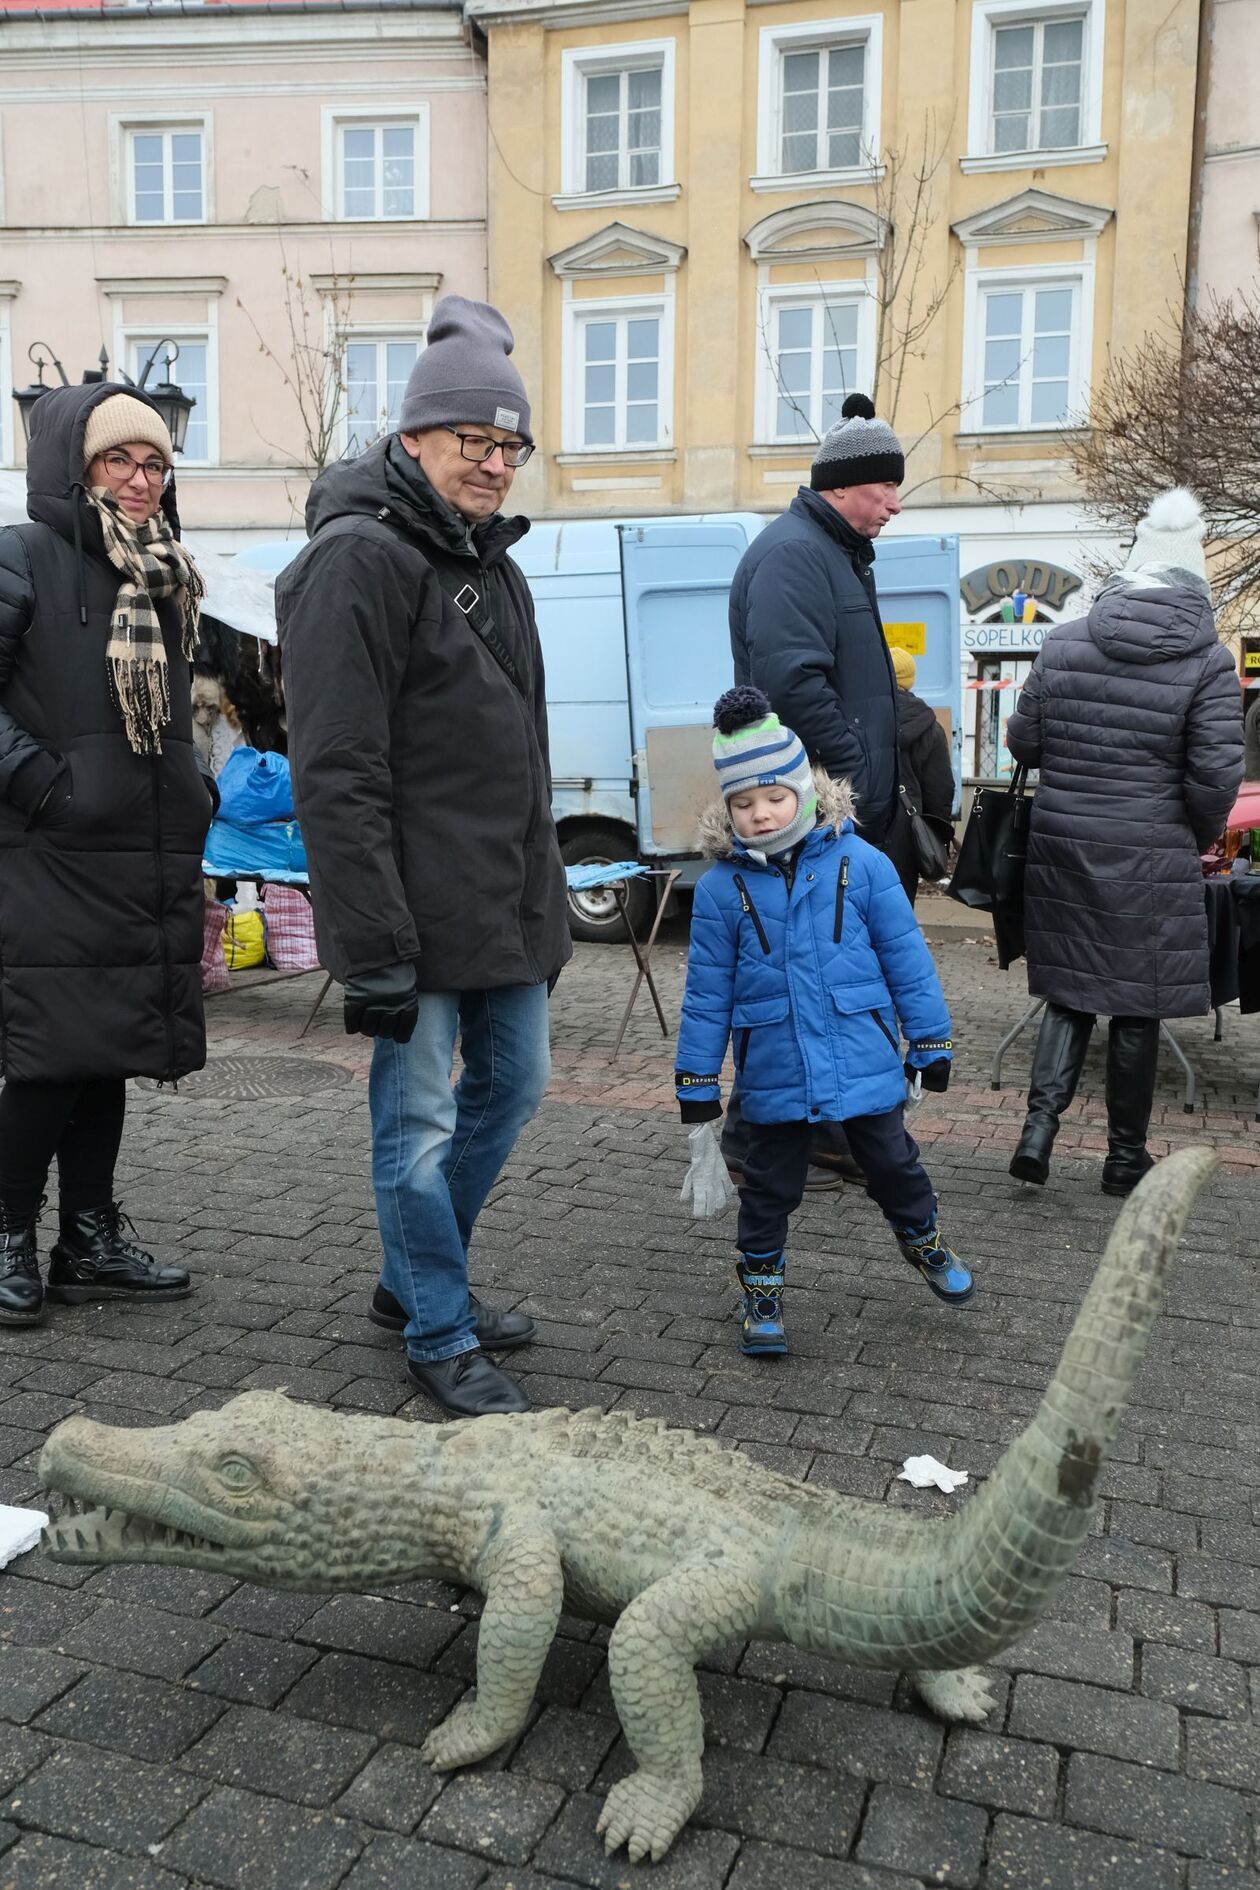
(104, 808)
(1132, 715)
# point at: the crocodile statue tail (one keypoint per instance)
(897, 1591)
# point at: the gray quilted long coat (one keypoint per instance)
(1133, 715)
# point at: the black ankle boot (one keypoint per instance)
(1056, 1069)
(21, 1289)
(94, 1259)
(1132, 1056)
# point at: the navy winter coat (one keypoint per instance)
(1133, 716)
(805, 627)
(811, 980)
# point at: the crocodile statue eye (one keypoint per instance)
(237, 1474)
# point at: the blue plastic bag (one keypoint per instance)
(255, 788)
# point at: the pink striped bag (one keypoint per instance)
(290, 929)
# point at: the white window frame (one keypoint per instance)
(629, 307)
(770, 298)
(774, 41)
(123, 126)
(380, 333)
(1078, 276)
(127, 335)
(334, 117)
(577, 64)
(988, 14)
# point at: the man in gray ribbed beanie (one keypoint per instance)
(465, 414)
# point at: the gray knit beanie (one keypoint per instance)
(463, 375)
(858, 451)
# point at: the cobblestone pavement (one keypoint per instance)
(161, 1730)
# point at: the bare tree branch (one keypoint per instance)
(312, 366)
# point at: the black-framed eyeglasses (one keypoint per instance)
(122, 466)
(479, 447)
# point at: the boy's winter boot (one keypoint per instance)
(940, 1266)
(21, 1289)
(760, 1277)
(1132, 1056)
(94, 1259)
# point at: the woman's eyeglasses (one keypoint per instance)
(123, 466)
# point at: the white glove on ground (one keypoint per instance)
(707, 1186)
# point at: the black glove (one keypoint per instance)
(383, 1003)
(934, 1076)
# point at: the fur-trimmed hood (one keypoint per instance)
(717, 836)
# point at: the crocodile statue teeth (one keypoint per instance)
(662, 1534)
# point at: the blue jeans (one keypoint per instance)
(437, 1150)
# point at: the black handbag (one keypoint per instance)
(931, 851)
(989, 873)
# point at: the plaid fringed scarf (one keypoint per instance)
(153, 564)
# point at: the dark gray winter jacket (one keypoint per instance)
(805, 627)
(1132, 715)
(101, 900)
(420, 769)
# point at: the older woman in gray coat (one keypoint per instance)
(1132, 714)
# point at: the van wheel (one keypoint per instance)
(594, 915)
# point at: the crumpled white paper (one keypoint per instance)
(926, 1474)
(19, 1531)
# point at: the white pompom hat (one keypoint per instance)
(1167, 546)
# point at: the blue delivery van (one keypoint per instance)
(632, 614)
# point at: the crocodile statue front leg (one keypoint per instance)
(651, 1657)
(521, 1577)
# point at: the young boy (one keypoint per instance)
(804, 949)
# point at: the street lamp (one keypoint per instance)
(172, 403)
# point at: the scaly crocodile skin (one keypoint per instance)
(669, 1537)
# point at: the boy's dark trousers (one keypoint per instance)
(777, 1160)
(825, 1138)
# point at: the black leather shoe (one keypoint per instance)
(21, 1289)
(468, 1385)
(496, 1331)
(94, 1259)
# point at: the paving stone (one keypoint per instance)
(697, 1860)
(1195, 1681)
(278, 1753)
(21, 1751)
(1240, 1635)
(34, 1615)
(897, 1748)
(40, 1862)
(394, 1789)
(1033, 1856)
(766, 1798)
(1169, 1618)
(177, 1590)
(565, 1747)
(376, 1697)
(265, 1611)
(128, 1712)
(492, 1814)
(1068, 1713)
(250, 1843)
(1236, 1542)
(1064, 1651)
(391, 1863)
(83, 1792)
(1206, 1874)
(775, 1867)
(145, 1640)
(1228, 1754)
(387, 1630)
(1006, 1774)
(1212, 1578)
(782, 1665)
(252, 1669)
(31, 1678)
(923, 1835)
(1181, 1814)
(1125, 1564)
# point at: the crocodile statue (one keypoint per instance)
(661, 1534)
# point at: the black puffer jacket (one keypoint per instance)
(420, 767)
(101, 896)
(927, 775)
(1132, 715)
(805, 627)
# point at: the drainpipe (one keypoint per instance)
(1198, 149)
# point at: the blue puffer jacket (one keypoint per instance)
(810, 980)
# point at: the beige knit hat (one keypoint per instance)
(119, 421)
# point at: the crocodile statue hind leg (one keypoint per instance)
(962, 1694)
(655, 1645)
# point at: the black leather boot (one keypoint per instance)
(1132, 1056)
(496, 1331)
(94, 1259)
(21, 1289)
(1056, 1069)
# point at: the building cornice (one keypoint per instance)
(618, 250)
(231, 32)
(155, 233)
(557, 13)
(424, 282)
(118, 286)
(817, 232)
(1032, 216)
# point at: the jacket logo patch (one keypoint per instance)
(507, 417)
(466, 599)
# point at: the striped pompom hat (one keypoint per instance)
(751, 749)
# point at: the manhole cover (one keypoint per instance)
(248, 1079)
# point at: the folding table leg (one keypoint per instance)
(1175, 1047)
(325, 988)
(995, 1081)
(642, 958)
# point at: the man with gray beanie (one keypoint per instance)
(806, 629)
(418, 737)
